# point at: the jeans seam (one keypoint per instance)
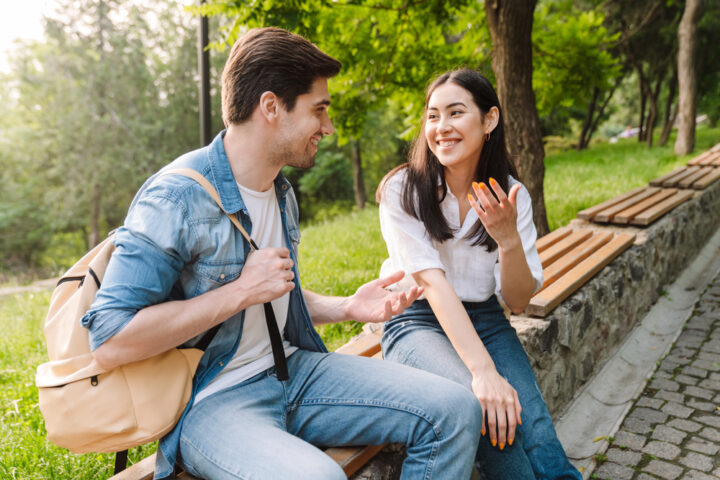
(211, 459)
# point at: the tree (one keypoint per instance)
(99, 104)
(511, 27)
(573, 67)
(687, 76)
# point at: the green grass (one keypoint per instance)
(578, 180)
(336, 257)
(25, 453)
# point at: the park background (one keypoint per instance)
(109, 94)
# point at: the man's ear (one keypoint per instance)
(269, 106)
(492, 117)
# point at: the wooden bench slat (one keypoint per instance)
(550, 255)
(589, 213)
(710, 159)
(686, 172)
(700, 158)
(659, 209)
(142, 470)
(657, 182)
(544, 302)
(708, 179)
(608, 214)
(628, 214)
(689, 180)
(544, 242)
(363, 346)
(572, 258)
(352, 458)
(716, 148)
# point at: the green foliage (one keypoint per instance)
(102, 102)
(572, 55)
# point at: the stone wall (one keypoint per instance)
(570, 345)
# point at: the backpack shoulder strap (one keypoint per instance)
(199, 178)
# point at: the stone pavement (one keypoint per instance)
(663, 382)
(673, 429)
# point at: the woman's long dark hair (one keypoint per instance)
(420, 197)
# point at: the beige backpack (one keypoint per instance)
(88, 409)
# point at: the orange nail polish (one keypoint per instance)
(470, 197)
(482, 432)
(492, 181)
(494, 443)
(475, 185)
(482, 185)
(502, 445)
(510, 441)
(520, 421)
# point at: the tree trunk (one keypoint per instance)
(670, 113)
(653, 114)
(510, 24)
(687, 79)
(358, 182)
(94, 237)
(584, 137)
(643, 98)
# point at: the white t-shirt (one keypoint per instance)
(254, 354)
(473, 272)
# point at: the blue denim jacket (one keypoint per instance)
(177, 243)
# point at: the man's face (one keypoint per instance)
(301, 129)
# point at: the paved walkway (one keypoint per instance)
(662, 384)
(673, 429)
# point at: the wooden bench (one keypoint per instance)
(711, 157)
(697, 177)
(351, 459)
(639, 207)
(570, 258)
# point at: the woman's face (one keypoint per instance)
(454, 127)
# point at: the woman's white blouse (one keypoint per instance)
(473, 272)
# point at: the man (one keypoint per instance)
(243, 422)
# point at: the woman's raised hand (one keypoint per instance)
(498, 215)
(501, 407)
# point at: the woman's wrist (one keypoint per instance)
(511, 243)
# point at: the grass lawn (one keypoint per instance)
(335, 258)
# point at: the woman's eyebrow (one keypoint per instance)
(455, 104)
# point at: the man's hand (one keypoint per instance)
(266, 275)
(371, 303)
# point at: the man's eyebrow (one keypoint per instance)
(455, 104)
(325, 103)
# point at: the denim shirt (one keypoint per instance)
(177, 243)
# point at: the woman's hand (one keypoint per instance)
(501, 407)
(498, 216)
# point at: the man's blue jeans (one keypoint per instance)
(415, 338)
(267, 429)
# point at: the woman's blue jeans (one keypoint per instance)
(415, 338)
(266, 429)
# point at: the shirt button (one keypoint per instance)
(284, 187)
(222, 276)
(221, 364)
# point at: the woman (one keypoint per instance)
(456, 219)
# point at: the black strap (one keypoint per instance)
(275, 339)
(120, 461)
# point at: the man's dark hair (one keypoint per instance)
(275, 60)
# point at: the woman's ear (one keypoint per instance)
(492, 117)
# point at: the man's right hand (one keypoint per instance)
(266, 275)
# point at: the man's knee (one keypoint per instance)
(462, 409)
